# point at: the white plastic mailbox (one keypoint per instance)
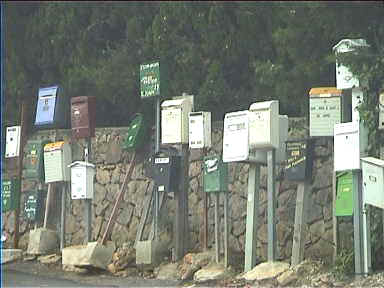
(82, 174)
(199, 130)
(264, 125)
(12, 144)
(174, 121)
(344, 77)
(373, 181)
(350, 143)
(236, 136)
(57, 157)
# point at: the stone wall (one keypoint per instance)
(111, 164)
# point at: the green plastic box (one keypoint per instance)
(10, 194)
(344, 194)
(215, 174)
(136, 133)
(34, 160)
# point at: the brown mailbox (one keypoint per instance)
(83, 114)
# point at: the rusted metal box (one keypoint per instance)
(83, 116)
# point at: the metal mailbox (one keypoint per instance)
(34, 160)
(199, 130)
(57, 157)
(328, 106)
(34, 205)
(299, 154)
(236, 136)
(350, 143)
(264, 125)
(174, 121)
(136, 133)
(83, 116)
(166, 169)
(344, 194)
(373, 181)
(344, 77)
(82, 174)
(10, 194)
(215, 174)
(52, 109)
(12, 144)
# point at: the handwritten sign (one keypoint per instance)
(324, 113)
(150, 80)
(33, 205)
(299, 159)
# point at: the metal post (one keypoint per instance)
(62, 226)
(357, 221)
(300, 221)
(226, 228)
(217, 227)
(88, 202)
(252, 214)
(156, 214)
(271, 187)
(335, 226)
(366, 240)
(157, 139)
(204, 230)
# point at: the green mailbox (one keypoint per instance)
(34, 161)
(10, 194)
(215, 174)
(344, 194)
(136, 133)
(33, 205)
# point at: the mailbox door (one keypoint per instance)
(373, 184)
(10, 194)
(83, 116)
(34, 160)
(215, 174)
(136, 133)
(46, 106)
(196, 130)
(236, 137)
(346, 146)
(53, 166)
(344, 195)
(78, 182)
(298, 166)
(166, 172)
(324, 113)
(171, 126)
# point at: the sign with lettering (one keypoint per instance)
(150, 79)
(298, 165)
(33, 205)
(324, 113)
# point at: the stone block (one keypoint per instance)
(266, 270)
(150, 252)
(9, 255)
(42, 241)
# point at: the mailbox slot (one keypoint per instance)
(373, 181)
(136, 133)
(215, 174)
(166, 172)
(10, 194)
(299, 153)
(34, 160)
(344, 194)
(83, 116)
(12, 144)
(82, 174)
(57, 157)
(199, 130)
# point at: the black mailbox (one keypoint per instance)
(299, 157)
(165, 172)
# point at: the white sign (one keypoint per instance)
(199, 130)
(12, 144)
(324, 113)
(236, 136)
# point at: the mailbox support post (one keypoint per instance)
(300, 222)
(335, 226)
(252, 214)
(357, 221)
(367, 240)
(217, 226)
(226, 228)
(204, 236)
(271, 196)
(88, 202)
(62, 226)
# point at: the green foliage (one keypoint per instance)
(344, 263)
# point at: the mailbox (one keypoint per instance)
(83, 116)
(373, 181)
(328, 106)
(82, 174)
(264, 125)
(52, 109)
(215, 174)
(344, 194)
(199, 130)
(34, 160)
(350, 143)
(57, 157)
(381, 111)
(344, 77)
(357, 99)
(236, 136)
(10, 194)
(12, 144)
(136, 133)
(299, 153)
(34, 205)
(166, 169)
(174, 121)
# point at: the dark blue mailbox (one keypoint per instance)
(51, 110)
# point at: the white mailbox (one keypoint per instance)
(350, 143)
(261, 155)
(264, 125)
(357, 99)
(373, 181)
(82, 174)
(327, 106)
(12, 144)
(57, 157)
(174, 121)
(381, 111)
(236, 136)
(344, 77)
(199, 130)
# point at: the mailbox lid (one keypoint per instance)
(373, 181)
(136, 133)
(215, 174)
(344, 194)
(10, 194)
(299, 158)
(83, 116)
(34, 159)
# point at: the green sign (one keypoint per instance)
(10, 194)
(150, 80)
